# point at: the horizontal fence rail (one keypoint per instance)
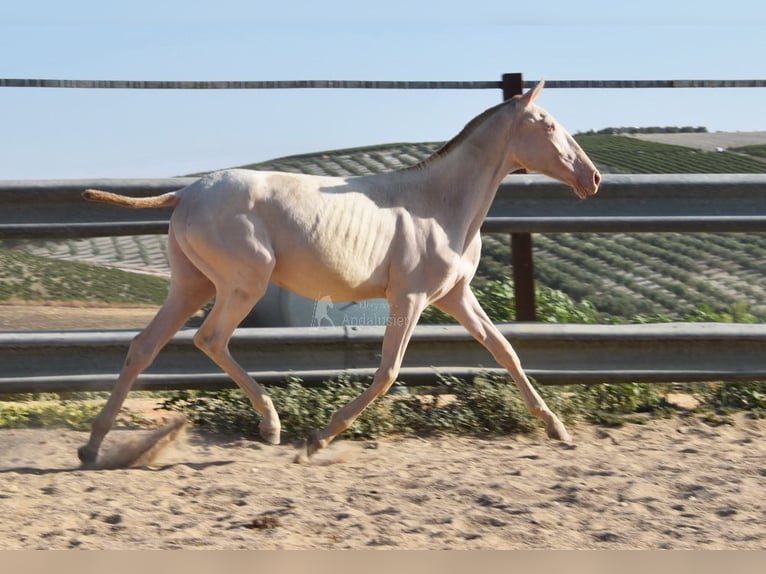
(552, 354)
(523, 204)
(362, 84)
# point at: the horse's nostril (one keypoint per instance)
(597, 178)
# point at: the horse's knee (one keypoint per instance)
(141, 351)
(208, 344)
(200, 341)
(384, 377)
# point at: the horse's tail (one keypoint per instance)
(165, 200)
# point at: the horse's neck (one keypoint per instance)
(461, 185)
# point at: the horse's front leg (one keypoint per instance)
(462, 304)
(403, 316)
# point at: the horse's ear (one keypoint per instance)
(530, 96)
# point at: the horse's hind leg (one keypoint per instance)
(239, 261)
(189, 290)
(232, 304)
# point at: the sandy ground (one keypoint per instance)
(675, 483)
(31, 317)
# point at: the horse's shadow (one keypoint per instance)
(134, 451)
(32, 470)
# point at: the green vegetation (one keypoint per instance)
(754, 150)
(668, 275)
(488, 406)
(723, 399)
(357, 161)
(634, 277)
(32, 278)
(650, 130)
(621, 154)
(70, 414)
(58, 410)
(497, 299)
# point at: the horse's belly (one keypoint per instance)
(338, 247)
(321, 276)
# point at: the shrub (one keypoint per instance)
(301, 409)
(497, 299)
(495, 405)
(726, 397)
(76, 415)
(610, 403)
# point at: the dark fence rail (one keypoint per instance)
(362, 84)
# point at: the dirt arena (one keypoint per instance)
(676, 483)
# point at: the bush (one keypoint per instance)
(70, 414)
(497, 299)
(726, 397)
(611, 403)
(621, 398)
(489, 406)
(301, 409)
(495, 405)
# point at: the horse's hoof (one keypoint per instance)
(557, 431)
(313, 443)
(270, 435)
(87, 455)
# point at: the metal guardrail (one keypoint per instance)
(523, 204)
(552, 354)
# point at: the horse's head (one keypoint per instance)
(543, 145)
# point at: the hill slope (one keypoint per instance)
(622, 274)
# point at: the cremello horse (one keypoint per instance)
(411, 236)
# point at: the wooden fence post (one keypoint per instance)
(521, 243)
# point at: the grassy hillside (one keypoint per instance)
(25, 277)
(670, 275)
(652, 274)
(623, 275)
(611, 153)
(758, 151)
(621, 154)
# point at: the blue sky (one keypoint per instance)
(58, 133)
